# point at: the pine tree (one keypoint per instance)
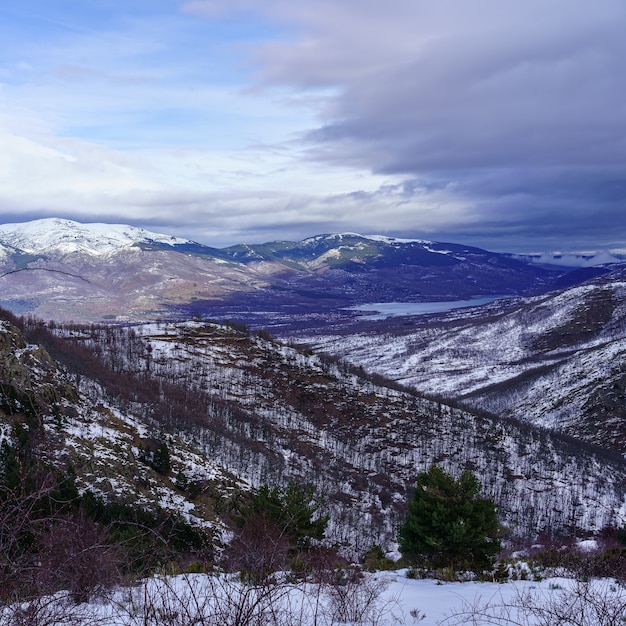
(161, 459)
(294, 510)
(449, 524)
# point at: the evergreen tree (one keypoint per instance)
(449, 524)
(161, 459)
(293, 509)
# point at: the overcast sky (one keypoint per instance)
(498, 123)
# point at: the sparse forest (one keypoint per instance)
(182, 447)
(247, 399)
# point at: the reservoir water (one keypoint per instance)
(383, 310)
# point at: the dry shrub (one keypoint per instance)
(576, 603)
(78, 556)
(258, 549)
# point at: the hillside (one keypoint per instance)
(237, 409)
(556, 361)
(66, 271)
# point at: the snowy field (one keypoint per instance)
(382, 599)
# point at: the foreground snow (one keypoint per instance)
(378, 600)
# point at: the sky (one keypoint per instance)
(496, 123)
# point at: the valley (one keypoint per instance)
(239, 409)
(556, 361)
(261, 365)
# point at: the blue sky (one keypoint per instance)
(498, 123)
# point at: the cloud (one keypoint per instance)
(515, 108)
(493, 122)
(219, 197)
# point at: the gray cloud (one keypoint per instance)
(516, 109)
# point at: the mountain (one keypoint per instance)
(236, 409)
(56, 237)
(557, 361)
(63, 270)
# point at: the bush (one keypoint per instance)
(375, 560)
(53, 538)
(597, 603)
(583, 565)
(258, 549)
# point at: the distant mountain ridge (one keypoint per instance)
(65, 270)
(60, 236)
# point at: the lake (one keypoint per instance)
(383, 310)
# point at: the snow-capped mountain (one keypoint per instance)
(59, 269)
(64, 270)
(59, 237)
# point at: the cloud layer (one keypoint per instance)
(515, 109)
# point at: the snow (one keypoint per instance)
(384, 598)
(530, 478)
(379, 238)
(66, 236)
(392, 240)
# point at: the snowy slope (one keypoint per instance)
(556, 361)
(381, 599)
(270, 413)
(60, 236)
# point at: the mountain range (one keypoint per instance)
(236, 410)
(64, 270)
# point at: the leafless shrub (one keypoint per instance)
(20, 525)
(52, 610)
(319, 565)
(358, 599)
(258, 549)
(78, 557)
(44, 551)
(608, 560)
(576, 603)
(215, 600)
(226, 600)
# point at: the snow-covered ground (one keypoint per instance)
(542, 361)
(380, 599)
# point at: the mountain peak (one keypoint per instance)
(67, 236)
(339, 237)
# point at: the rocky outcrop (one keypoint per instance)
(30, 381)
